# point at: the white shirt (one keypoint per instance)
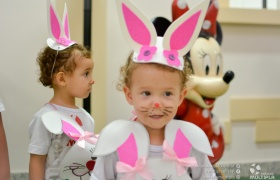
(42, 142)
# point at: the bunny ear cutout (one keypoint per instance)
(184, 135)
(59, 32)
(52, 121)
(137, 29)
(182, 145)
(118, 135)
(128, 152)
(53, 21)
(57, 122)
(183, 32)
(71, 128)
(65, 22)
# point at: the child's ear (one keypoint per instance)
(127, 94)
(60, 79)
(183, 95)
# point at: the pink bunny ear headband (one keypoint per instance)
(59, 31)
(140, 34)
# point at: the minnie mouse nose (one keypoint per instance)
(156, 105)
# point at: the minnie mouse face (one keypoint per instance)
(208, 80)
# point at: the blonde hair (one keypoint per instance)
(127, 70)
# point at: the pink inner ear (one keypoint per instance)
(136, 28)
(68, 128)
(55, 27)
(128, 152)
(66, 26)
(182, 145)
(182, 35)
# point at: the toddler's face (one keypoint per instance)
(80, 80)
(155, 94)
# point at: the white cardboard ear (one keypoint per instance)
(202, 7)
(193, 133)
(65, 22)
(125, 27)
(76, 162)
(54, 26)
(53, 122)
(117, 132)
(56, 29)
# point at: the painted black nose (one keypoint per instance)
(229, 75)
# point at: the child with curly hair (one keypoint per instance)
(154, 80)
(66, 67)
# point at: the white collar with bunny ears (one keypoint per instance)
(59, 31)
(141, 35)
(78, 161)
(131, 141)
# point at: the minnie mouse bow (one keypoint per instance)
(59, 31)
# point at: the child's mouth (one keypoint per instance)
(156, 116)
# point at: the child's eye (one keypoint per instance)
(167, 94)
(86, 74)
(146, 93)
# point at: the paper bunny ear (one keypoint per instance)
(183, 32)
(184, 135)
(59, 31)
(141, 35)
(57, 122)
(123, 136)
(137, 29)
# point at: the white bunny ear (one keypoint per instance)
(53, 21)
(185, 134)
(183, 32)
(137, 29)
(59, 32)
(65, 23)
(57, 122)
(52, 121)
(120, 133)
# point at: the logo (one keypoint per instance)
(256, 173)
(255, 169)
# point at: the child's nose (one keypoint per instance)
(156, 105)
(91, 82)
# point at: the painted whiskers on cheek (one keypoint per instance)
(153, 110)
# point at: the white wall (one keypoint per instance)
(23, 33)
(252, 52)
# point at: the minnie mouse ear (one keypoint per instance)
(161, 24)
(209, 24)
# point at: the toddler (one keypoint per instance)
(154, 78)
(66, 67)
